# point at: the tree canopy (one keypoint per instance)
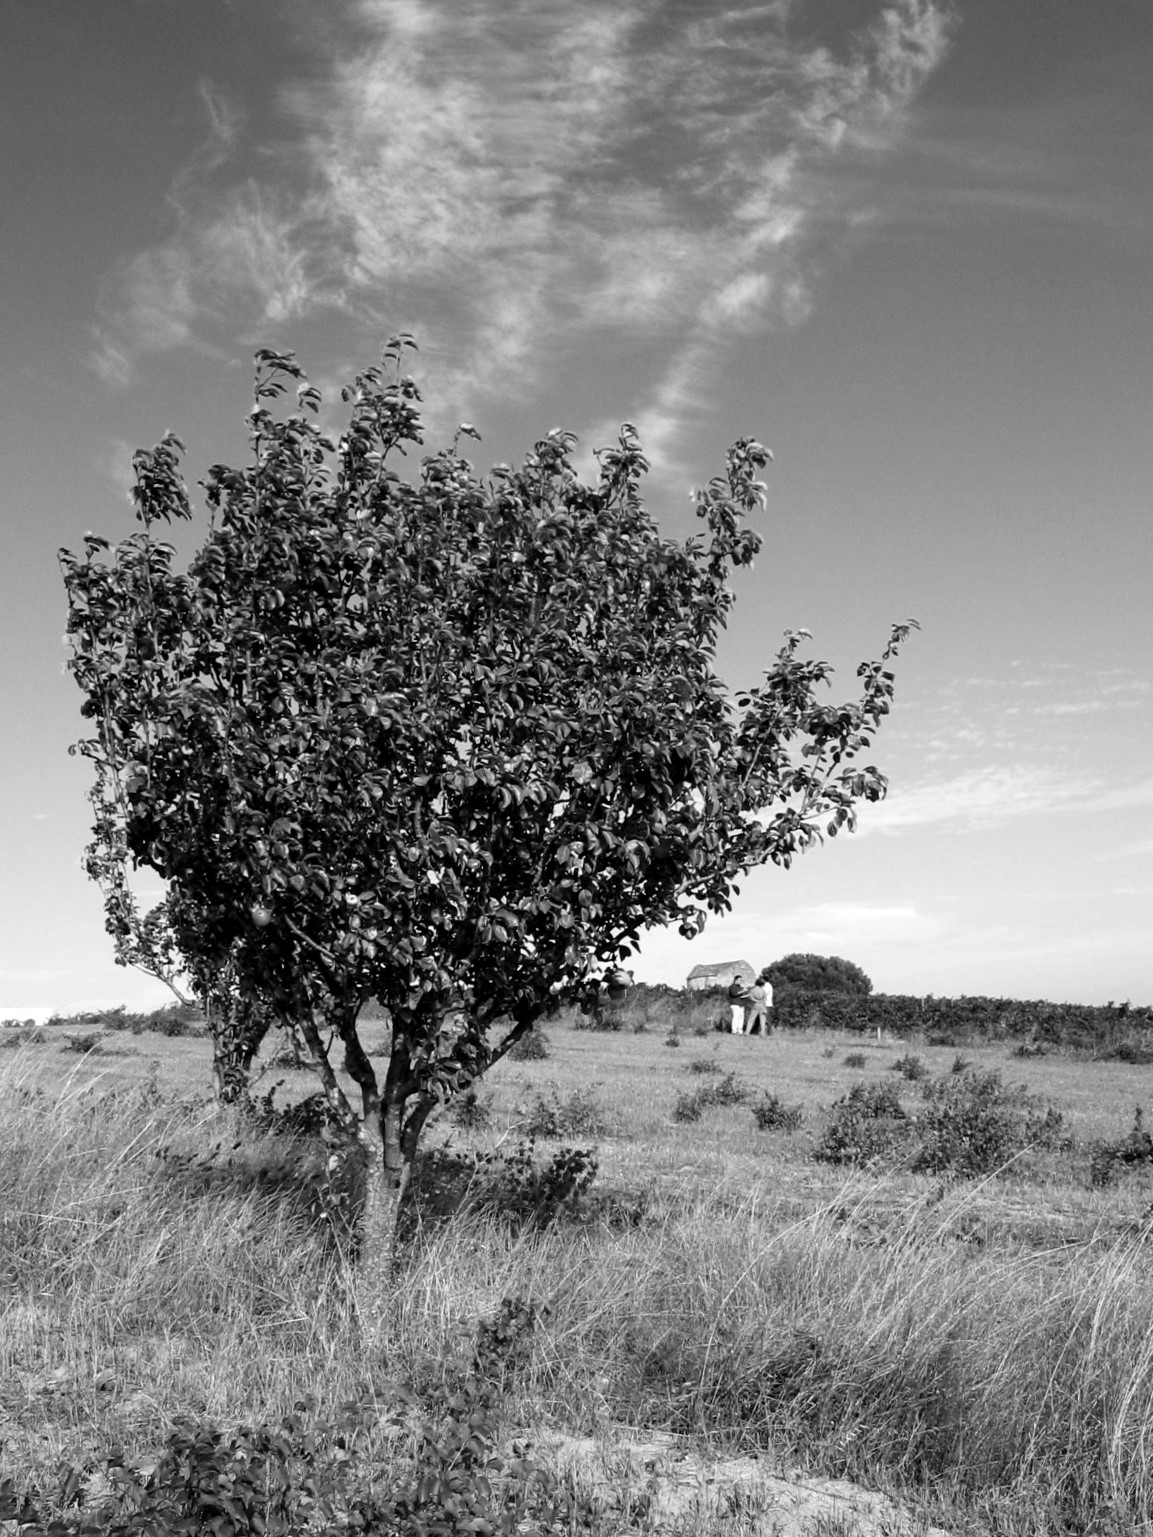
(816, 974)
(450, 743)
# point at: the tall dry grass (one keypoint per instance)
(995, 1382)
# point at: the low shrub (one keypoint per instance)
(868, 1122)
(533, 1046)
(515, 1187)
(729, 1090)
(771, 1114)
(910, 1067)
(973, 1124)
(702, 1065)
(174, 1019)
(306, 1474)
(688, 1107)
(469, 1111)
(86, 1045)
(580, 1115)
(24, 1035)
(1132, 1151)
(855, 1059)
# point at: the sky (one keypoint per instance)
(904, 244)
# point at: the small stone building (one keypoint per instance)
(703, 979)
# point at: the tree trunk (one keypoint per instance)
(388, 1144)
(237, 1027)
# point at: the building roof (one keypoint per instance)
(719, 967)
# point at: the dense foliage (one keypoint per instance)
(450, 745)
(815, 974)
(1100, 1029)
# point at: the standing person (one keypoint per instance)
(739, 999)
(756, 1013)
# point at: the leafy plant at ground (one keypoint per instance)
(973, 1124)
(910, 1067)
(772, 1114)
(702, 1065)
(470, 1112)
(868, 1122)
(307, 1474)
(392, 741)
(23, 1035)
(1134, 1150)
(726, 1091)
(85, 1045)
(580, 1115)
(532, 1047)
(519, 1188)
(856, 1059)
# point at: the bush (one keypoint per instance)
(973, 1124)
(580, 1115)
(1106, 1032)
(910, 1067)
(514, 1187)
(701, 1065)
(469, 1111)
(174, 1019)
(729, 1090)
(868, 1122)
(305, 1475)
(687, 1107)
(533, 1046)
(86, 1045)
(1132, 1151)
(25, 1035)
(816, 974)
(855, 1059)
(772, 1114)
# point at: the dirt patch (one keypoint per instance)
(673, 1489)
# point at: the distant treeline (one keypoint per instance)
(1111, 1029)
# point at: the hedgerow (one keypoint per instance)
(1107, 1030)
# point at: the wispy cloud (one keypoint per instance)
(499, 176)
(992, 795)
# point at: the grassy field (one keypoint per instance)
(981, 1348)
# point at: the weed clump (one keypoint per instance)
(24, 1035)
(973, 1124)
(856, 1059)
(868, 1122)
(533, 1046)
(549, 1116)
(90, 1045)
(771, 1114)
(470, 1112)
(174, 1019)
(1132, 1151)
(910, 1067)
(729, 1090)
(516, 1188)
(702, 1065)
(310, 1474)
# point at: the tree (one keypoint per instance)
(450, 744)
(815, 974)
(237, 1021)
